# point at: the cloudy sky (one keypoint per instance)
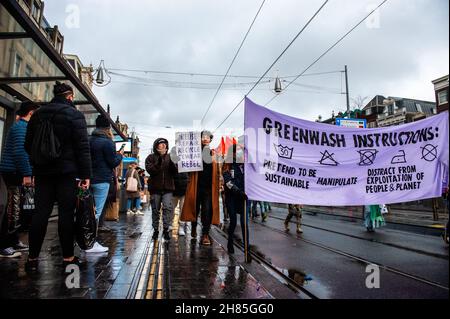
(397, 52)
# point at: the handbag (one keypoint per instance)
(27, 207)
(132, 183)
(85, 221)
(27, 198)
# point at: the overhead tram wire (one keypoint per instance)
(311, 74)
(232, 62)
(319, 89)
(329, 49)
(183, 84)
(212, 74)
(183, 73)
(274, 62)
(231, 86)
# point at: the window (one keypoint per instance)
(29, 45)
(28, 73)
(391, 109)
(72, 63)
(47, 93)
(368, 111)
(443, 97)
(35, 10)
(419, 108)
(17, 65)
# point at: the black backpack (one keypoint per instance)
(46, 145)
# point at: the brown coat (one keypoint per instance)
(190, 202)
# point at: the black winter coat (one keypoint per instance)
(234, 177)
(104, 157)
(162, 172)
(70, 128)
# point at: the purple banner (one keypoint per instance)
(296, 161)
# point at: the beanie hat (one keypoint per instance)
(61, 88)
(102, 121)
(207, 133)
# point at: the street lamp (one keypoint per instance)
(99, 75)
(277, 87)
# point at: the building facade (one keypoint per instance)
(31, 60)
(21, 57)
(441, 91)
(382, 111)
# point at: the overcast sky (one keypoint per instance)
(398, 52)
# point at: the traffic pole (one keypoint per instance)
(245, 232)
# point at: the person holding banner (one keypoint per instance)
(235, 197)
(202, 193)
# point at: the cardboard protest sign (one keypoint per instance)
(189, 151)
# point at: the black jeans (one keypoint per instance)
(9, 236)
(235, 206)
(62, 189)
(204, 206)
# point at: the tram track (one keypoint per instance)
(357, 258)
(418, 251)
(152, 282)
(273, 270)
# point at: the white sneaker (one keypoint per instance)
(9, 253)
(181, 231)
(129, 212)
(139, 212)
(97, 248)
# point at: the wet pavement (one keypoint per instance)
(190, 271)
(329, 260)
(208, 272)
(96, 279)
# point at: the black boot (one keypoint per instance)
(155, 235)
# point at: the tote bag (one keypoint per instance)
(132, 183)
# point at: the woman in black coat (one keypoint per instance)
(235, 197)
